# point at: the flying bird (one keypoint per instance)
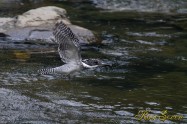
(69, 51)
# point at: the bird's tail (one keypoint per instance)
(47, 71)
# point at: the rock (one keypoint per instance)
(41, 17)
(40, 35)
(5, 20)
(37, 24)
(6, 23)
(27, 33)
(84, 34)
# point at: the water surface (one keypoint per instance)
(149, 62)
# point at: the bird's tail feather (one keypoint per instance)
(47, 71)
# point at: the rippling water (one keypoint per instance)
(149, 62)
(179, 6)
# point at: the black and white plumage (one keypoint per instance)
(69, 48)
(69, 51)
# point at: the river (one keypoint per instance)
(147, 51)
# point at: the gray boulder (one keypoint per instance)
(37, 25)
(44, 16)
(6, 23)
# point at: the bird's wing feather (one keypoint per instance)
(69, 48)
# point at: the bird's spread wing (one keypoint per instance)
(69, 48)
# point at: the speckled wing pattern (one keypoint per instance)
(69, 47)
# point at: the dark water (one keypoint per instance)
(149, 62)
(163, 6)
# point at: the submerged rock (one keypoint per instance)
(37, 24)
